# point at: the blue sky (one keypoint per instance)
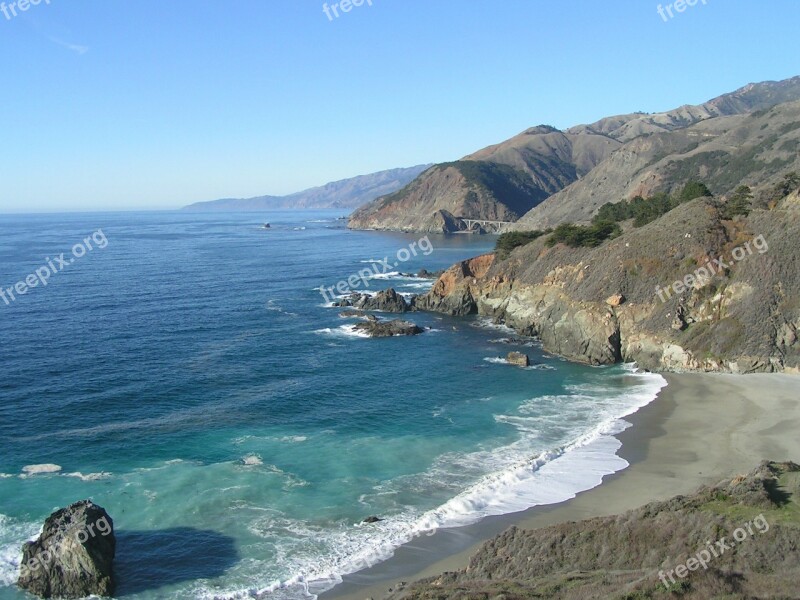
(138, 105)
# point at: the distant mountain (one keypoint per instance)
(500, 183)
(345, 194)
(563, 176)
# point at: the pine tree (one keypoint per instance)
(740, 203)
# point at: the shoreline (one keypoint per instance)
(700, 428)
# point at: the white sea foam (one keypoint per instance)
(521, 480)
(13, 534)
(294, 439)
(252, 460)
(45, 469)
(496, 360)
(516, 341)
(485, 323)
(89, 476)
(342, 331)
(395, 276)
(274, 307)
(420, 285)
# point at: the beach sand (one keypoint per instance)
(701, 428)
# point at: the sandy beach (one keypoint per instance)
(702, 427)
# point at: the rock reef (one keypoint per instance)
(377, 328)
(384, 301)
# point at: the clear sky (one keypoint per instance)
(115, 105)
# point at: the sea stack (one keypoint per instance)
(518, 359)
(74, 555)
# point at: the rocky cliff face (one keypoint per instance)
(602, 305)
(644, 553)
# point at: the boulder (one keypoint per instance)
(372, 519)
(518, 359)
(378, 328)
(74, 555)
(615, 300)
(425, 274)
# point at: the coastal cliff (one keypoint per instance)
(618, 302)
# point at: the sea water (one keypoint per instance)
(190, 378)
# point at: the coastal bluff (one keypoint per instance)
(735, 539)
(602, 305)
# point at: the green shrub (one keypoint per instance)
(646, 210)
(740, 203)
(506, 242)
(692, 190)
(579, 236)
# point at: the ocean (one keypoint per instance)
(184, 371)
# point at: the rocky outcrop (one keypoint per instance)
(619, 302)
(425, 274)
(377, 328)
(518, 359)
(615, 300)
(661, 550)
(384, 301)
(452, 293)
(73, 557)
(445, 222)
(353, 314)
(371, 520)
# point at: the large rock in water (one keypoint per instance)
(74, 555)
(385, 301)
(388, 328)
(518, 359)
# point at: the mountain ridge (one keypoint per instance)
(555, 162)
(344, 193)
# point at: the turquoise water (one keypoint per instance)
(190, 378)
